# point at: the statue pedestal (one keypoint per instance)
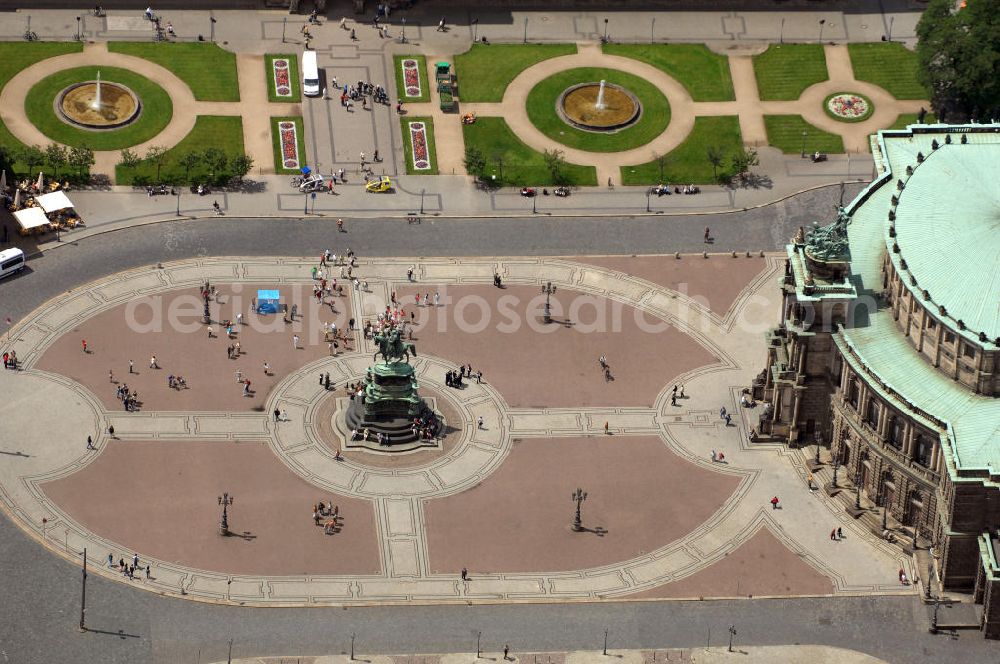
(398, 433)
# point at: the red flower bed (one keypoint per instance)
(289, 145)
(411, 77)
(418, 138)
(282, 82)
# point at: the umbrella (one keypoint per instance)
(17, 199)
(3, 182)
(41, 181)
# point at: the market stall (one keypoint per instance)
(59, 208)
(31, 219)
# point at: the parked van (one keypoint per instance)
(11, 261)
(310, 74)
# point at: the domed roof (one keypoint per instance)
(948, 232)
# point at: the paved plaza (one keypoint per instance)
(662, 519)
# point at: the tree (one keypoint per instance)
(744, 160)
(32, 156)
(7, 159)
(216, 160)
(715, 154)
(156, 155)
(189, 160)
(129, 159)
(959, 51)
(81, 158)
(661, 163)
(241, 165)
(475, 162)
(556, 164)
(56, 157)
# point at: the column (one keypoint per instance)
(937, 346)
(908, 436)
(883, 421)
(845, 380)
(936, 455)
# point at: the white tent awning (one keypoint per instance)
(31, 218)
(57, 200)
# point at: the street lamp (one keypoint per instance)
(885, 509)
(178, 201)
(79, 35)
(819, 442)
(605, 40)
(732, 633)
(225, 500)
(857, 485)
(549, 289)
(402, 34)
(889, 36)
(648, 191)
(836, 465)
(822, 23)
(578, 497)
(525, 29)
(422, 200)
(804, 135)
(284, 24)
(475, 30)
(211, 20)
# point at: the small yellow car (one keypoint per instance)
(379, 185)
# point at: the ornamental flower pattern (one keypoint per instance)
(287, 132)
(418, 139)
(848, 106)
(411, 77)
(282, 79)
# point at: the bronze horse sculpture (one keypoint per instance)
(392, 348)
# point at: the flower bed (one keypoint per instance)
(848, 107)
(282, 79)
(289, 145)
(411, 77)
(418, 139)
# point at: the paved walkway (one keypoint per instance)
(45, 444)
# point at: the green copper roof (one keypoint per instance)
(954, 227)
(948, 231)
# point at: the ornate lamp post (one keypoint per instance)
(804, 135)
(819, 443)
(857, 485)
(578, 497)
(548, 289)
(822, 24)
(225, 500)
(836, 466)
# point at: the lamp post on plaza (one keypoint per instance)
(648, 192)
(402, 34)
(885, 509)
(819, 443)
(525, 29)
(178, 202)
(211, 22)
(284, 24)
(475, 30)
(578, 497)
(889, 36)
(822, 23)
(79, 35)
(836, 465)
(549, 289)
(804, 135)
(605, 39)
(225, 500)
(857, 485)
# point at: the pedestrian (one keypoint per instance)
(479, 422)
(437, 299)
(277, 414)
(90, 443)
(135, 560)
(170, 29)
(148, 575)
(441, 27)
(343, 23)
(111, 376)
(354, 35)
(675, 390)
(774, 503)
(840, 533)
(111, 561)
(603, 361)
(833, 535)
(714, 457)
(479, 377)
(728, 418)
(340, 225)
(465, 574)
(506, 652)
(83, 342)
(682, 390)
(326, 379)
(131, 367)
(267, 369)
(295, 341)
(722, 413)
(211, 332)
(707, 234)
(111, 431)
(152, 362)
(673, 399)
(809, 481)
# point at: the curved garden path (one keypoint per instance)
(186, 109)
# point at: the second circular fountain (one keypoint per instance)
(598, 106)
(97, 104)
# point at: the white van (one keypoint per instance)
(11, 261)
(310, 74)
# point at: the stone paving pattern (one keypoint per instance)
(404, 498)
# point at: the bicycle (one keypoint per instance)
(296, 180)
(30, 35)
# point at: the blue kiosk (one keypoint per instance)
(268, 302)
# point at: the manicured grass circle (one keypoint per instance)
(156, 109)
(542, 99)
(841, 118)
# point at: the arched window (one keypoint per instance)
(896, 432)
(923, 446)
(871, 414)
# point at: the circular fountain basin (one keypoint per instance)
(76, 105)
(578, 106)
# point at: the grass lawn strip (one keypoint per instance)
(703, 73)
(207, 69)
(276, 142)
(425, 88)
(542, 99)
(784, 71)
(785, 133)
(15, 57)
(892, 67)
(156, 109)
(295, 95)
(513, 161)
(688, 162)
(223, 132)
(485, 70)
(408, 146)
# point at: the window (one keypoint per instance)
(949, 337)
(931, 323)
(923, 447)
(969, 351)
(852, 393)
(871, 415)
(895, 432)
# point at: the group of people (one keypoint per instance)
(454, 378)
(130, 400)
(332, 514)
(176, 382)
(10, 360)
(664, 189)
(426, 426)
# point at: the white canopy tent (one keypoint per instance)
(31, 218)
(57, 200)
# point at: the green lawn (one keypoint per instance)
(300, 136)
(784, 71)
(293, 77)
(408, 146)
(785, 133)
(425, 89)
(542, 100)
(485, 70)
(223, 132)
(16, 56)
(705, 74)
(515, 163)
(210, 71)
(911, 118)
(688, 162)
(890, 66)
(156, 109)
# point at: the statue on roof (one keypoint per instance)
(829, 243)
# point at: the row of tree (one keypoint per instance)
(56, 157)
(217, 167)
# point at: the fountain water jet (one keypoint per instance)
(599, 105)
(96, 104)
